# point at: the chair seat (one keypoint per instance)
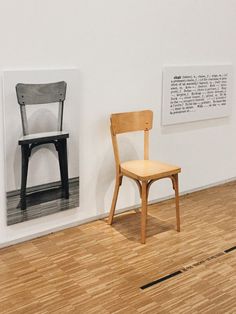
(43, 137)
(148, 169)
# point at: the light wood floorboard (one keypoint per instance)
(97, 268)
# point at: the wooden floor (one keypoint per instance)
(95, 268)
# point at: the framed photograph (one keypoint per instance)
(41, 119)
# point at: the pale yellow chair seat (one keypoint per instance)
(148, 169)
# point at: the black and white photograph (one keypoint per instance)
(41, 143)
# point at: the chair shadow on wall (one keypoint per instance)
(17, 171)
(128, 225)
(106, 174)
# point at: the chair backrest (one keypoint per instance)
(35, 94)
(130, 122)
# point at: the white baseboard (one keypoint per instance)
(102, 216)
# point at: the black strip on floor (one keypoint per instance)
(161, 279)
(184, 269)
(230, 249)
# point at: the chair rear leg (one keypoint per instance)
(62, 145)
(60, 159)
(176, 188)
(144, 212)
(114, 200)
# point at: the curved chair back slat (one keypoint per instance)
(131, 121)
(32, 94)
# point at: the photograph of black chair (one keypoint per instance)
(36, 94)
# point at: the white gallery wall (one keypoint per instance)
(120, 48)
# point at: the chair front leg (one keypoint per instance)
(176, 188)
(25, 152)
(114, 200)
(144, 212)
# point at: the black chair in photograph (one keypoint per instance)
(36, 94)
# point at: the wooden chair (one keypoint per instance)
(32, 94)
(143, 172)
